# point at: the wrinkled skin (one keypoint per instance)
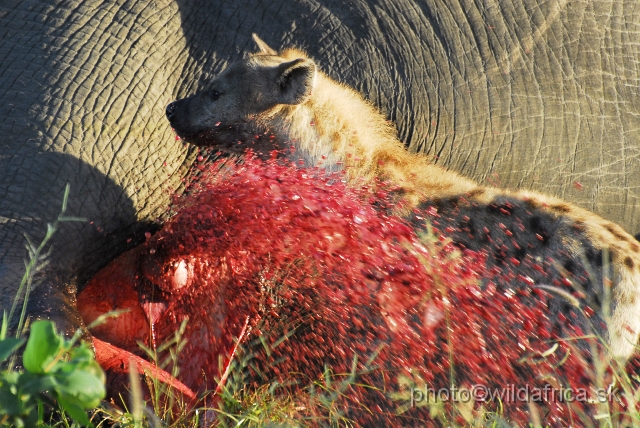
(526, 94)
(533, 95)
(78, 108)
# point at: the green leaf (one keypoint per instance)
(10, 404)
(75, 411)
(81, 388)
(43, 346)
(34, 384)
(81, 360)
(18, 423)
(7, 346)
(82, 354)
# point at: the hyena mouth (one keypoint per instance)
(209, 137)
(236, 138)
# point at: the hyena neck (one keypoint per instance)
(336, 128)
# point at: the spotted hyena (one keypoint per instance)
(274, 100)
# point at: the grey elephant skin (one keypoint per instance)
(529, 94)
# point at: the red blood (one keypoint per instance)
(117, 363)
(296, 257)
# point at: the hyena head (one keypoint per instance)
(240, 102)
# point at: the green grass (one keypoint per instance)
(60, 380)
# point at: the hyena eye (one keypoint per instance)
(215, 95)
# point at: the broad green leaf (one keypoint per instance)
(81, 388)
(65, 369)
(42, 347)
(8, 378)
(10, 404)
(7, 346)
(33, 384)
(75, 411)
(17, 423)
(31, 418)
(82, 352)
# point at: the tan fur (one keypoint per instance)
(334, 127)
(337, 123)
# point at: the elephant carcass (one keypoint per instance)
(530, 93)
(82, 92)
(284, 277)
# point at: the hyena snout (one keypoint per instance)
(176, 112)
(174, 109)
(170, 110)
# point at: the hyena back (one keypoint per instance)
(274, 100)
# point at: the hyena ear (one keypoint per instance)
(296, 79)
(262, 46)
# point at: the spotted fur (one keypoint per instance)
(274, 100)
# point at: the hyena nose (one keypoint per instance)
(171, 109)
